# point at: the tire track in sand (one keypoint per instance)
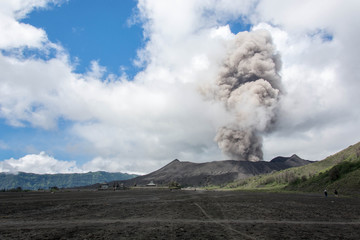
(82, 222)
(223, 224)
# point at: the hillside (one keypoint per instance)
(339, 171)
(344, 176)
(33, 181)
(213, 173)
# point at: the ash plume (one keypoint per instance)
(249, 84)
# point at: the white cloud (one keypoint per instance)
(140, 125)
(15, 34)
(318, 116)
(38, 163)
(158, 116)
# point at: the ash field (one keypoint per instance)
(179, 214)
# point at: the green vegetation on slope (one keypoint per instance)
(339, 171)
(33, 181)
(344, 176)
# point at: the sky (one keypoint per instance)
(131, 85)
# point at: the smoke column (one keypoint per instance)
(249, 85)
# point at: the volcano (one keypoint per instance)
(213, 173)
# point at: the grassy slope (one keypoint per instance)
(344, 176)
(312, 177)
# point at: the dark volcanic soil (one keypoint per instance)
(161, 214)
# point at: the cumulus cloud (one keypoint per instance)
(38, 163)
(317, 113)
(15, 34)
(142, 123)
(152, 118)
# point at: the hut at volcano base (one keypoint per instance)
(151, 184)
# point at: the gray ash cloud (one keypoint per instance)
(249, 85)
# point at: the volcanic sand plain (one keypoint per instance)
(180, 214)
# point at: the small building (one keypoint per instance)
(117, 186)
(151, 184)
(103, 186)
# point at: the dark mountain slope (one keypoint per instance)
(213, 173)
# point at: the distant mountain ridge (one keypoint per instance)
(214, 173)
(32, 181)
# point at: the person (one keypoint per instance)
(325, 192)
(336, 193)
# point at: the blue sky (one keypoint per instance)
(73, 99)
(94, 31)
